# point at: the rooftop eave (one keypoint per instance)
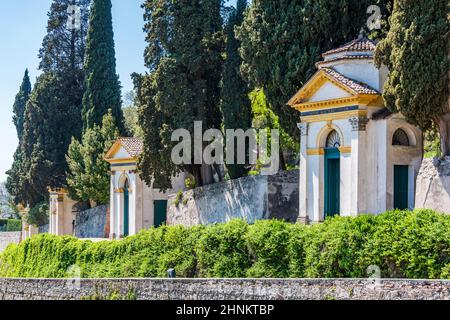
(360, 100)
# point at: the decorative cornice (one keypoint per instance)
(334, 116)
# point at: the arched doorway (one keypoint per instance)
(126, 209)
(332, 174)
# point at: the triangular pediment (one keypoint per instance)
(117, 152)
(327, 84)
(320, 87)
(124, 149)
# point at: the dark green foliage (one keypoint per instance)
(416, 53)
(282, 40)
(38, 215)
(20, 103)
(102, 83)
(184, 55)
(402, 244)
(87, 176)
(13, 184)
(10, 225)
(235, 104)
(47, 136)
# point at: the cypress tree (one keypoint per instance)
(416, 52)
(102, 83)
(13, 181)
(235, 104)
(184, 55)
(20, 104)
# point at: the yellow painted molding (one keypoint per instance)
(132, 161)
(334, 116)
(360, 100)
(345, 149)
(315, 152)
(120, 190)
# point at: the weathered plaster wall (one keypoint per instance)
(92, 223)
(226, 289)
(250, 198)
(6, 238)
(433, 185)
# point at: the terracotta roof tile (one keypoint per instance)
(133, 146)
(360, 44)
(356, 86)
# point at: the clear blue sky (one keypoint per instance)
(22, 27)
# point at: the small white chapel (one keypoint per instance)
(134, 205)
(356, 156)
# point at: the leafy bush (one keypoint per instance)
(10, 225)
(402, 244)
(268, 245)
(222, 251)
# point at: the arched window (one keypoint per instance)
(400, 138)
(333, 140)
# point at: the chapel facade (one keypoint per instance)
(356, 156)
(134, 205)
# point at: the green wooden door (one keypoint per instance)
(160, 212)
(332, 182)
(401, 186)
(126, 210)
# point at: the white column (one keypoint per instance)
(303, 181)
(112, 208)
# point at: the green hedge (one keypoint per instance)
(402, 244)
(10, 225)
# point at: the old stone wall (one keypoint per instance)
(6, 238)
(433, 185)
(92, 223)
(250, 198)
(224, 289)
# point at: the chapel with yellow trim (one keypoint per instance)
(356, 157)
(134, 205)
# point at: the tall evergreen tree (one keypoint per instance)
(416, 52)
(102, 83)
(282, 40)
(13, 181)
(53, 112)
(20, 103)
(235, 105)
(184, 56)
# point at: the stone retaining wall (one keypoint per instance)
(433, 185)
(251, 198)
(92, 223)
(6, 238)
(225, 289)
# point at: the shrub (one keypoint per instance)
(222, 251)
(402, 244)
(10, 225)
(267, 242)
